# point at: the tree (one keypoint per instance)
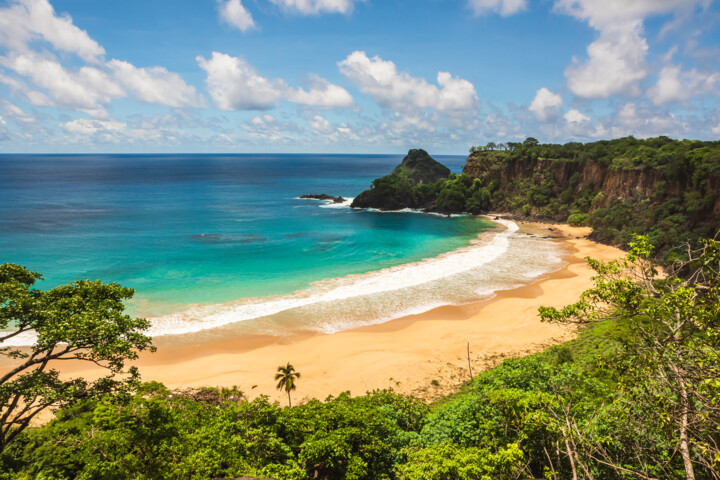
(530, 142)
(491, 146)
(287, 376)
(674, 345)
(82, 321)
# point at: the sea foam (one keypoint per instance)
(494, 261)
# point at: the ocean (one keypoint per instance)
(221, 244)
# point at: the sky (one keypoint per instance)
(352, 76)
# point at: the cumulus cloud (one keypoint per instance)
(329, 133)
(641, 121)
(314, 7)
(400, 92)
(267, 128)
(616, 60)
(24, 21)
(155, 85)
(503, 7)
(615, 64)
(546, 105)
(234, 84)
(87, 126)
(87, 89)
(321, 125)
(15, 112)
(321, 94)
(675, 85)
(234, 13)
(602, 13)
(575, 117)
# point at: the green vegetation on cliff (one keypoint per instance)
(635, 396)
(666, 189)
(423, 183)
(410, 185)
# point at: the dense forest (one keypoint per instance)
(666, 189)
(636, 395)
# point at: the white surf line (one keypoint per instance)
(385, 280)
(207, 317)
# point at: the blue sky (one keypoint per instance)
(354, 76)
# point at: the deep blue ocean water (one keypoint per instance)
(186, 229)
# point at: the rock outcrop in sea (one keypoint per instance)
(323, 196)
(394, 191)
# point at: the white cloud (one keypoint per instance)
(266, 128)
(322, 94)
(575, 117)
(234, 13)
(546, 105)
(155, 85)
(503, 7)
(603, 13)
(87, 89)
(616, 63)
(641, 121)
(716, 130)
(16, 112)
(25, 21)
(403, 93)
(674, 85)
(234, 84)
(327, 133)
(314, 7)
(321, 125)
(616, 60)
(107, 131)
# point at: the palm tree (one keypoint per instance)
(287, 376)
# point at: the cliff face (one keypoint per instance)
(615, 185)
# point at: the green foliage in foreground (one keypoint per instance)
(82, 321)
(634, 396)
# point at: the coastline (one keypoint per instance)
(406, 354)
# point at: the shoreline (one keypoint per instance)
(407, 354)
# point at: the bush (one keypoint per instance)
(579, 220)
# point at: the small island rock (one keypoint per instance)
(323, 196)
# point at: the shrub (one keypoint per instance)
(579, 220)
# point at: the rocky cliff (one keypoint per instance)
(399, 189)
(653, 185)
(664, 188)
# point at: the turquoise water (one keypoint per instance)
(195, 229)
(220, 245)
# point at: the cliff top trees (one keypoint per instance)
(82, 321)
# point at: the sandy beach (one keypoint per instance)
(424, 355)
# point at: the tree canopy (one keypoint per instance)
(83, 321)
